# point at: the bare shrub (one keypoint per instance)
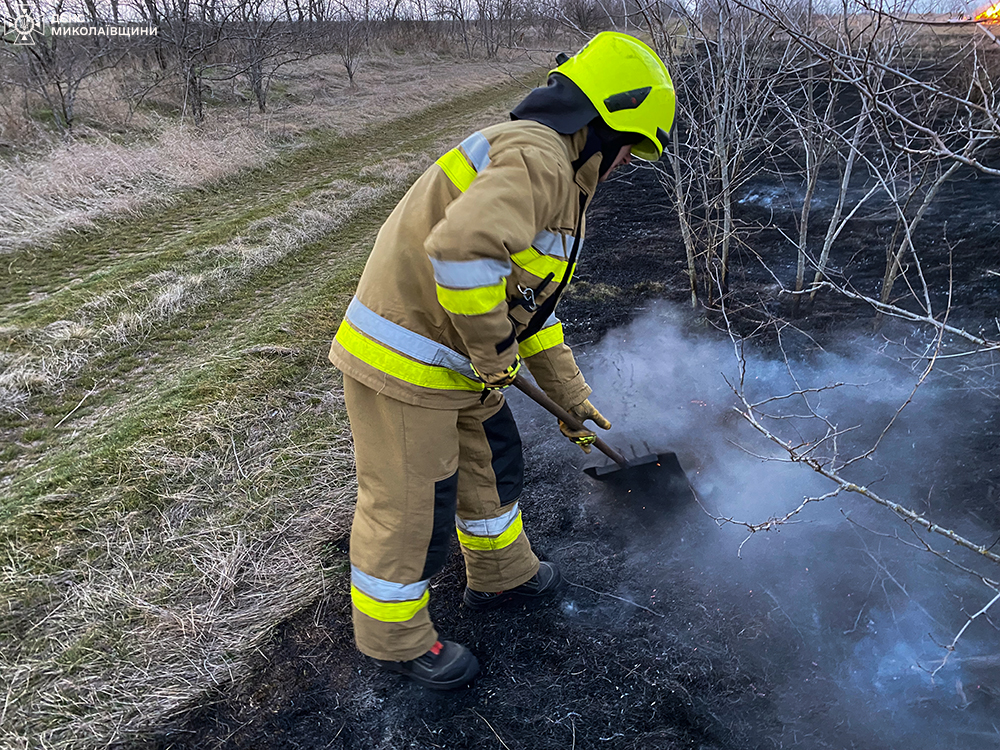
(587, 16)
(346, 34)
(774, 86)
(727, 79)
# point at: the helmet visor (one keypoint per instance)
(646, 150)
(650, 151)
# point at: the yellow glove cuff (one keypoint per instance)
(499, 379)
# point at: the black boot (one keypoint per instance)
(447, 666)
(544, 585)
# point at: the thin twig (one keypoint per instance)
(950, 648)
(91, 392)
(491, 728)
(612, 596)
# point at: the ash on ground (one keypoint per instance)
(677, 631)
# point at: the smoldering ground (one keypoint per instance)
(818, 634)
(673, 632)
(842, 620)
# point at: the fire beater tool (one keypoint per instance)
(653, 477)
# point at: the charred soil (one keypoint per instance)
(640, 652)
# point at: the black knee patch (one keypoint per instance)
(445, 502)
(508, 460)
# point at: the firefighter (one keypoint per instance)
(460, 290)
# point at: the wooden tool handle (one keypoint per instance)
(536, 394)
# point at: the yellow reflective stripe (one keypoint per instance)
(492, 542)
(472, 301)
(386, 360)
(540, 265)
(388, 611)
(544, 339)
(458, 169)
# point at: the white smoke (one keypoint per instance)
(869, 612)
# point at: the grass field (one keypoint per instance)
(175, 459)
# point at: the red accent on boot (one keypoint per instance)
(436, 648)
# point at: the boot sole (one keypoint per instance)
(489, 604)
(513, 596)
(471, 670)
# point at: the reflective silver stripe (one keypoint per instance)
(386, 591)
(469, 274)
(406, 341)
(549, 322)
(477, 149)
(554, 244)
(549, 243)
(489, 526)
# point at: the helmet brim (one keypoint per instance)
(646, 150)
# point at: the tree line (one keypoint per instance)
(200, 43)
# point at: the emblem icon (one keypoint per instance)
(24, 26)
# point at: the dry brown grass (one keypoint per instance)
(402, 168)
(43, 363)
(156, 607)
(45, 359)
(68, 185)
(78, 182)
(200, 520)
(41, 360)
(388, 86)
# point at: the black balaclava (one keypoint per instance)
(611, 142)
(562, 106)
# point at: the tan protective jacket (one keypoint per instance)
(462, 270)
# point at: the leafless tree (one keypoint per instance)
(458, 13)
(587, 16)
(345, 34)
(191, 32)
(262, 42)
(499, 22)
(55, 67)
(725, 69)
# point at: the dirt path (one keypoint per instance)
(101, 276)
(175, 454)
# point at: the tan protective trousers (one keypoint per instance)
(421, 473)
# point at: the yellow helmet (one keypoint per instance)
(629, 86)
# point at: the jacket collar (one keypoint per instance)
(588, 173)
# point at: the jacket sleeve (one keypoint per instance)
(499, 213)
(552, 364)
